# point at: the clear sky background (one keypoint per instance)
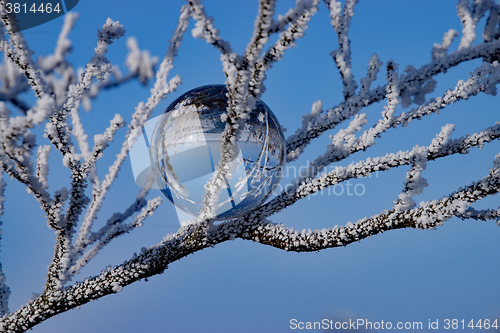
(240, 286)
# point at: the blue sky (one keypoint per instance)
(240, 286)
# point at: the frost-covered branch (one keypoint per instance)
(316, 126)
(482, 215)
(20, 54)
(16, 147)
(426, 216)
(414, 183)
(141, 66)
(245, 81)
(205, 28)
(470, 14)
(42, 165)
(344, 143)
(187, 240)
(58, 60)
(364, 168)
(491, 29)
(56, 65)
(417, 83)
(262, 31)
(112, 229)
(303, 11)
(161, 88)
(58, 131)
(374, 66)
(441, 50)
(140, 63)
(13, 82)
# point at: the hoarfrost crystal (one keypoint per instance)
(186, 151)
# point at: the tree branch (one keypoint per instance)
(297, 142)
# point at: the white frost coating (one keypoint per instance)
(140, 63)
(262, 30)
(334, 116)
(303, 12)
(414, 182)
(442, 138)
(57, 71)
(63, 46)
(382, 163)
(316, 110)
(468, 26)
(99, 64)
(78, 131)
(393, 99)
(205, 28)
(342, 55)
(161, 88)
(345, 138)
(344, 142)
(20, 53)
(116, 287)
(485, 82)
(42, 166)
(57, 63)
(481, 215)
(470, 16)
(141, 66)
(18, 142)
(45, 106)
(441, 50)
(115, 227)
(16, 149)
(245, 76)
(373, 69)
(103, 234)
(58, 130)
(143, 110)
(101, 141)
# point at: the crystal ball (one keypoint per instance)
(186, 151)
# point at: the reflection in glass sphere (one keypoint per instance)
(185, 151)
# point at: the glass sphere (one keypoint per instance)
(186, 150)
